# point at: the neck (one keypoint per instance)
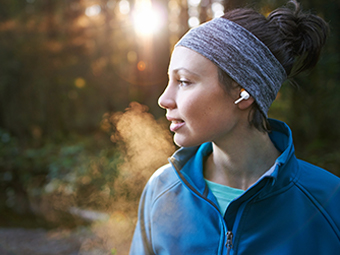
(242, 161)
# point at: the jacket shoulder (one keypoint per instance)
(322, 188)
(314, 178)
(162, 180)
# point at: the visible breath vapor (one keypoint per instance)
(145, 144)
(140, 146)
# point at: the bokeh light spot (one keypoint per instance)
(218, 9)
(193, 22)
(93, 10)
(194, 3)
(79, 82)
(141, 66)
(132, 56)
(124, 7)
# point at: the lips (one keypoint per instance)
(175, 123)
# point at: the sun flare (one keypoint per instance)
(147, 20)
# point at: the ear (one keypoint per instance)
(244, 104)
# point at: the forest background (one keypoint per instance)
(80, 128)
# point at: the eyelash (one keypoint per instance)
(184, 83)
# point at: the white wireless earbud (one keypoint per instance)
(244, 95)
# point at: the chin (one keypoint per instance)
(185, 142)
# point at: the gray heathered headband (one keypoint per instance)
(241, 55)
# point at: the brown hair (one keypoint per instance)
(293, 36)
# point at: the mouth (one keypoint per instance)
(175, 123)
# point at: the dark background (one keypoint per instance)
(66, 79)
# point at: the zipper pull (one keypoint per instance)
(229, 243)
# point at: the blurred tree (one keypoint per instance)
(66, 63)
(38, 49)
(315, 116)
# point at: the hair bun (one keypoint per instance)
(302, 34)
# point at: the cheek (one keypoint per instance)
(202, 104)
(188, 104)
(206, 110)
(194, 108)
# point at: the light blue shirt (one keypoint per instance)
(224, 194)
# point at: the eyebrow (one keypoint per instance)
(177, 70)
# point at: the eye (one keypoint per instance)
(184, 83)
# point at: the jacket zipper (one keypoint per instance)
(230, 235)
(200, 196)
(229, 243)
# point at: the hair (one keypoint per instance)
(294, 37)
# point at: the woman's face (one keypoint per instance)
(199, 109)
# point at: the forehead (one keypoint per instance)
(187, 59)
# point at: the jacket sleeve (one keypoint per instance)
(142, 242)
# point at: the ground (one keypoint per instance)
(43, 242)
(109, 237)
(15, 241)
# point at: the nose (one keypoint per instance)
(167, 99)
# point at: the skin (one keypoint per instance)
(200, 110)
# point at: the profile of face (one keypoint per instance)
(198, 107)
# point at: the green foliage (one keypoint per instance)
(61, 71)
(68, 167)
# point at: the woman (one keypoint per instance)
(235, 186)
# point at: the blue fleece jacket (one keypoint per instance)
(293, 211)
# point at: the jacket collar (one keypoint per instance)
(188, 162)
